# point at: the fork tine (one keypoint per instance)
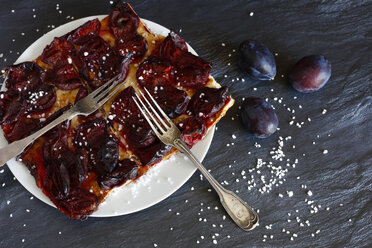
(106, 89)
(102, 87)
(159, 109)
(102, 101)
(153, 110)
(146, 113)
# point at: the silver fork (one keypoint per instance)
(85, 107)
(241, 213)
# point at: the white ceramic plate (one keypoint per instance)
(160, 181)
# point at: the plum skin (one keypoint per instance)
(257, 60)
(310, 73)
(259, 117)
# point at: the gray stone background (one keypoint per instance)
(322, 201)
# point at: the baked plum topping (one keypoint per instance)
(191, 71)
(82, 164)
(259, 117)
(23, 77)
(123, 107)
(85, 32)
(135, 129)
(157, 76)
(100, 62)
(155, 70)
(93, 141)
(91, 117)
(135, 44)
(123, 67)
(79, 204)
(110, 154)
(310, 73)
(57, 53)
(57, 159)
(208, 101)
(56, 144)
(173, 47)
(65, 77)
(139, 134)
(192, 130)
(91, 134)
(11, 108)
(153, 153)
(59, 180)
(173, 101)
(21, 129)
(125, 170)
(41, 98)
(123, 23)
(69, 84)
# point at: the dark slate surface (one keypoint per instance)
(340, 181)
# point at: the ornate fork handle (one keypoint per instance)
(16, 147)
(242, 214)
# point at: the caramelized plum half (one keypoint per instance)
(157, 76)
(91, 134)
(56, 144)
(173, 46)
(153, 153)
(97, 147)
(135, 129)
(126, 170)
(123, 23)
(110, 154)
(100, 62)
(23, 77)
(123, 107)
(135, 44)
(57, 160)
(208, 101)
(25, 127)
(79, 204)
(192, 130)
(59, 180)
(41, 98)
(191, 71)
(155, 70)
(82, 165)
(85, 32)
(173, 101)
(57, 53)
(139, 134)
(21, 129)
(11, 108)
(65, 77)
